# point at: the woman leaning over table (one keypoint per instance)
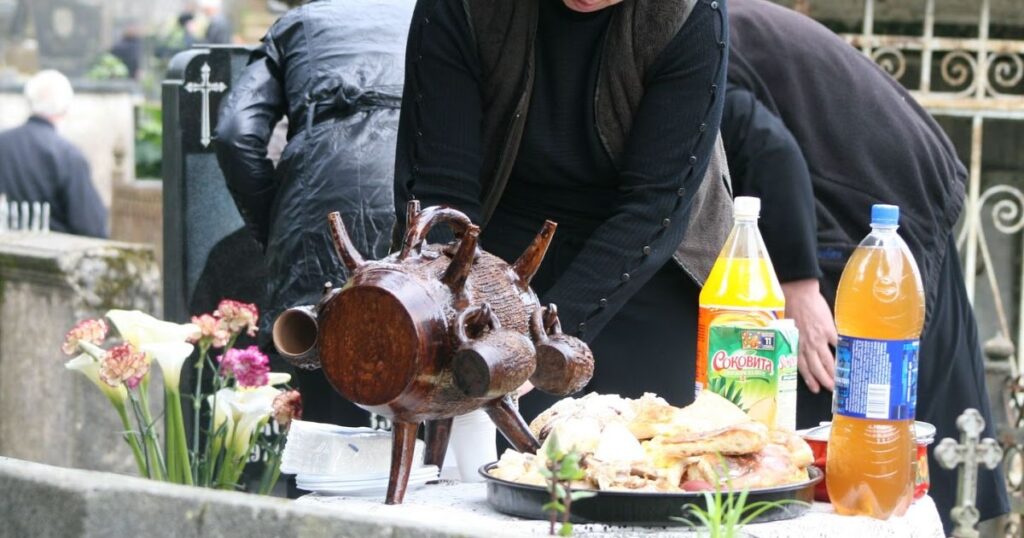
(603, 116)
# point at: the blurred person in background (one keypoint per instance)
(218, 29)
(128, 49)
(334, 68)
(39, 165)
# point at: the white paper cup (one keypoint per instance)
(472, 444)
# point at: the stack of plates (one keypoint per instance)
(371, 484)
(334, 460)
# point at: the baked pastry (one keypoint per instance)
(648, 445)
(604, 408)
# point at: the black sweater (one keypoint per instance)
(641, 204)
(864, 138)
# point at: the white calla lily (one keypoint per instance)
(222, 411)
(278, 378)
(140, 329)
(250, 409)
(171, 356)
(90, 368)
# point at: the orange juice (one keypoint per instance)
(879, 317)
(742, 287)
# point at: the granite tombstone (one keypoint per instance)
(66, 31)
(209, 254)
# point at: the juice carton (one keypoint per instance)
(756, 368)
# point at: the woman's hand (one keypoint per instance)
(806, 306)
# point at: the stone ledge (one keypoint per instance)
(44, 501)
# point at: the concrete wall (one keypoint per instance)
(136, 214)
(43, 501)
(47, 283)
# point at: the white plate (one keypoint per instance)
(311, 483)
(367, 490)
(426, 470)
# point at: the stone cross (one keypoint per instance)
(968, 454)
(205, 87)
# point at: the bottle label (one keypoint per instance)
(876, 379)
(713, 315)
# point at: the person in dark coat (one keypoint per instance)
(599, 115)
(128, 49)
(218, 29)
(39, 165)
(821, 133)
(334, 68)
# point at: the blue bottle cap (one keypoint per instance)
(885, 215)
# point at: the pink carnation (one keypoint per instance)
(238, 316)
(211, 330)
(93, 331)
(248, 366)
(124, 364)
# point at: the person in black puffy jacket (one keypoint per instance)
(335, 69)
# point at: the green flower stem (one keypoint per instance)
(214, 443)
(271, 472)
(197, 404)
(159, 467)
(226, 470)
(130, 437)
(272, 468)
(169, 442)
(242, 458)
(177, 450)
(149, 456)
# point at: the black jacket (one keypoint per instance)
(335, 69)
(39, 165)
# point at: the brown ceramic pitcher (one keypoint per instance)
(432, 332)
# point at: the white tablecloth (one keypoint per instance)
(462, 508)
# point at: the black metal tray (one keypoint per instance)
(639, 508)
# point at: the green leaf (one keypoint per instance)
(554, 452)
(559, 491)
(553, 506)
(578, 495)
(566, 529)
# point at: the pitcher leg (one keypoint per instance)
(437, 434)
(403, 444)
(511, 424)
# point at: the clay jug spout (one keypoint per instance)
(343, 244)
(295, 335)
(528, 263)
(462, 262)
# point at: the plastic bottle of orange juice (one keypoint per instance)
(742, 286)
(879, 316)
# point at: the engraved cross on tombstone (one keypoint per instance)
(204, 86)
(968, 454)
